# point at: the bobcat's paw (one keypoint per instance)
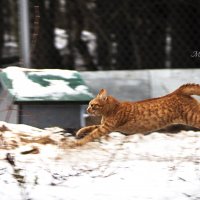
(69, 143)
(81, 133)
(75, 144)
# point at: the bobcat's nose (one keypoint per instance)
(89, 109)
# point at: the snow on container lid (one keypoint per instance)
(49, 85)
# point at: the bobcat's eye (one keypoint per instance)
(94, 106)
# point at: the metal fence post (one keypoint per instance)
(24, 32)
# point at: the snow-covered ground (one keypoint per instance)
(156, 166)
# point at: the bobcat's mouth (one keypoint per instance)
(92, 112)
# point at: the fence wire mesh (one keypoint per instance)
(9, 45)
(100, 34)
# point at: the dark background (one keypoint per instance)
(106, 34)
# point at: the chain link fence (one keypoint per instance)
(106, 35)
(9, 47)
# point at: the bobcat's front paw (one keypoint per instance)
(75, 144)
(81, 133)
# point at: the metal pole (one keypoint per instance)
(24, 32)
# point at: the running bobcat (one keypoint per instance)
(145, 116)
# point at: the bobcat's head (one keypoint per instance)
(102, 104)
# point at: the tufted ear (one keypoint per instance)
(102, 94)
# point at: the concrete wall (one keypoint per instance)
(141, 84)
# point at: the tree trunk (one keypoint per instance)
(150, 31)
(1, 28)
(184, 21)
(74, 27)
(124, 36)
(45, 54)
(104, 9)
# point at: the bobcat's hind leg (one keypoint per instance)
(85, 131)
(193, 118)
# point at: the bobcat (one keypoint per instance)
(144, 116)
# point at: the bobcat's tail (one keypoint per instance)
(188, 89)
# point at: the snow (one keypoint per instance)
(141, 167)
(23, 87)
(61, 39)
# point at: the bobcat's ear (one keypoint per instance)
(102, 94)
